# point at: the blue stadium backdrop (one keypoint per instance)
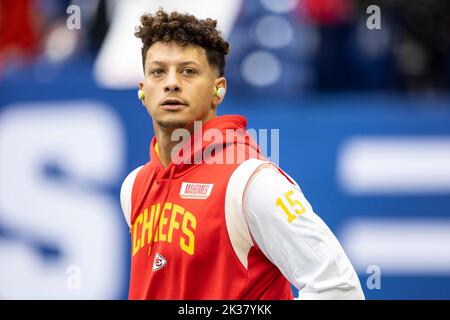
(375, 168)
(374, 165)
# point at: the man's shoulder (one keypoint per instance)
(265, 172)
(132, 174)
(128, 182)
(125, 193)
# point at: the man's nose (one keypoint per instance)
(172, 82)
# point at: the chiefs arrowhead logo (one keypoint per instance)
(159, 262)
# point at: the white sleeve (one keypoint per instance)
(125, 193)
(296, 240)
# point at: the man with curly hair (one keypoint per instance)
(209, 217)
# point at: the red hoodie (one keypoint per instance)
(182, 224)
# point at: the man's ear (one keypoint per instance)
(220, 89)
(141, 85)
(141, 89)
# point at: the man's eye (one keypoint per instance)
(189, 71)
(157, 72)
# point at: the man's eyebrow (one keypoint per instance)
(181, 63)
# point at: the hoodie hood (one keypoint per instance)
(203, 143)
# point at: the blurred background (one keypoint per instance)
(359, 93)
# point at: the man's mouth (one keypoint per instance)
(173, 104)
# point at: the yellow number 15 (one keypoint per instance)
(300, 209)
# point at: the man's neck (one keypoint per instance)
(165, 143)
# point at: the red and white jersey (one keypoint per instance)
(240, 230)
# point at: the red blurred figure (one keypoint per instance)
(19, 30)
(327, 12)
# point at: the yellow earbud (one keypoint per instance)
(141, 94)
(220, 92)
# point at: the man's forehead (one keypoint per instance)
(171, 52)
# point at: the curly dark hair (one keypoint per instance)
(184, 29)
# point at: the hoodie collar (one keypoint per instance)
(221, 123)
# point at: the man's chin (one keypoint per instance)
(171, 123)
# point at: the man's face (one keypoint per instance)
(179, 85)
